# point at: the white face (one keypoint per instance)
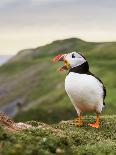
(74, 59)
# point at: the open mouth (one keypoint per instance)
(61, 57)
(63, 68)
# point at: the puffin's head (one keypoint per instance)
(71, 60)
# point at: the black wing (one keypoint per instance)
(104, 89)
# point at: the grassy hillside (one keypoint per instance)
(31, 79)
(63, 138)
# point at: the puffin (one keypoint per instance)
(86, 91)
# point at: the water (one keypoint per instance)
(11, 109)
(4, 58)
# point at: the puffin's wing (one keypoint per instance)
(104, 89)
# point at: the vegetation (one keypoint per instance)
(64, 138)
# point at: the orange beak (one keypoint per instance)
(60, 57)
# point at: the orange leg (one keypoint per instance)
(96, 124)
(79, 121)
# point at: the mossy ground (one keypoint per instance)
(63, 138)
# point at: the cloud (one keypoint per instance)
(46, 20)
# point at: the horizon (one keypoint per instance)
(13, 54)
(32, 23)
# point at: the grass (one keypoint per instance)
(63, 138)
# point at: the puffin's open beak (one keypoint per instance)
(61, 57)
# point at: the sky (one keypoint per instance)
(32, 23)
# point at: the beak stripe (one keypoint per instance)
(58, 57)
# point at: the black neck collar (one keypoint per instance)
(82, 69)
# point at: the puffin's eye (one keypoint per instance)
(73, 56)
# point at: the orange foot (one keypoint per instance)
(95, 125)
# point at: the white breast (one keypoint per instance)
(85, 92)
